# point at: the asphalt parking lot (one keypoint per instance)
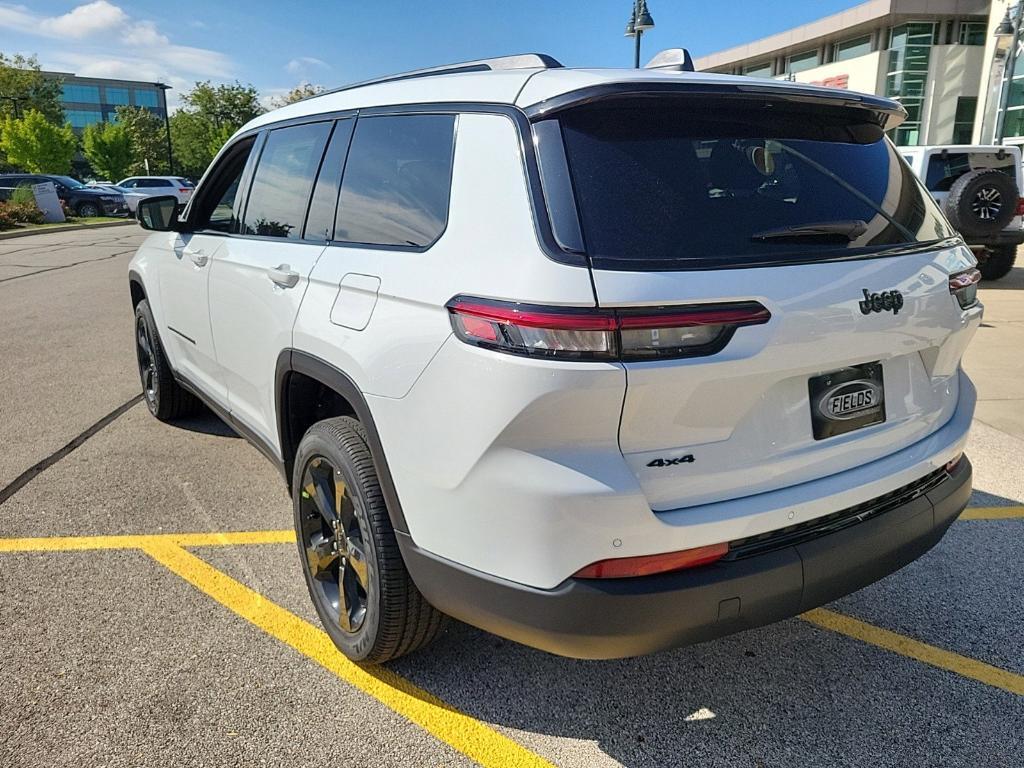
(152, 611)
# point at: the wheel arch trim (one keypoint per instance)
(294, 361)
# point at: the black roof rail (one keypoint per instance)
(517, 61)
(677, 59)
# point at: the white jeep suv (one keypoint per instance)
(601, 361)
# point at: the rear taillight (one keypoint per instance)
(1020, 207)
(595, 334)
(648, 565)
(964, 285)
(184, 189)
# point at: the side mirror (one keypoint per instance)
(159, 214)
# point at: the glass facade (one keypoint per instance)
(764, 69)
(88, 94)
(799, 62)
(963, 125)
(146, 98)
(973, 32)
(116, 96)
(851, 49)
(79, 118)
(910, 50)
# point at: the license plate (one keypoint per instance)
(847, 399)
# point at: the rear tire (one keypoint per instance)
(163, 395)
(353, 568)
(997, 262)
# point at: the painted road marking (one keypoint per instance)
(465, 733)
(212, 539)
(992, 513)
(915, 649)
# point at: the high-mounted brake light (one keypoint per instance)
(964, 285)
(648, 565)
(597, 334)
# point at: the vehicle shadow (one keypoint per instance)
(206, 422)
(985, 499)
(1014, 281)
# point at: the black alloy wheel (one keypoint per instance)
(987, 203)
(88, 210)
(333, 542)
(147, 363)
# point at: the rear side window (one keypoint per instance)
(697, 184)
(324, 205)
(397, 181)
(185, 183)
(288, 164)
(945, 168)
(155, 183)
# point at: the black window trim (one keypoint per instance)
(316, 179)
(542, 226)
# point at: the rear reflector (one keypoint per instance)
(964, 285)
(648, 565)
(596, 334)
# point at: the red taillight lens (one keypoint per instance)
(594, 334)
(648, 565)
(184, 189)
(964, 285)
(1020, 207)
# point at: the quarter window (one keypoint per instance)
(283, 180)
(397, 181)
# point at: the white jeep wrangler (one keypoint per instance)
(978, 188)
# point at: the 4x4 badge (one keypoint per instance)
(886, 301)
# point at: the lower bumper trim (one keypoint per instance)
(615, 618)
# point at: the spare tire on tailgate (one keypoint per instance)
(981, 202)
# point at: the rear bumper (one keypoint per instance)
(629, 617)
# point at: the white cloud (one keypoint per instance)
(303, 64)
(84, 20)
(107, 44)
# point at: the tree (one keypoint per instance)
(208, 117)
(108, 148)
(147, 136)
(23, 87)
(36, 145)
(301, 91)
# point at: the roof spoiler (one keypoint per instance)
(677, 59)
(517, 61)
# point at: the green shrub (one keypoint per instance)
(23, 194)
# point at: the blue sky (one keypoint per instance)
(275, 45)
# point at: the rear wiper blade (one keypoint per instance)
(850, 229)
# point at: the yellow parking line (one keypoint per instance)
(992, 513)
(78, 543)
(468, 735)
(915, 649)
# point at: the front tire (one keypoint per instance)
(354, 571)
(163, 395)
(997, 262)
(88, 210)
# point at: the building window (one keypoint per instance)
(910, 50)
(146, 98)
(800, 62)
(79, 118)
(963, 125)
(973, 32)
(87, 94)
(116, 96)
(764, 69)
(851, 49)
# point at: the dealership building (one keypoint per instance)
(942, 59)
(88, 100)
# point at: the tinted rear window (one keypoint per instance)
(692, 184)
(945, 168)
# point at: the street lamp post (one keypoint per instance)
(639, 22)
(15, 100)
(1012, 29)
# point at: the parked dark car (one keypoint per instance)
(83, 200)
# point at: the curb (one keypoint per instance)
(68, 228)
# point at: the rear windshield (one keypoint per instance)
(694, 184)
(945, 168)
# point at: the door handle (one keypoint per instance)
(283, 275)
(198, 258)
